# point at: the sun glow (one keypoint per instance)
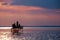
(3, 36)
(7, 36)
(5, 27)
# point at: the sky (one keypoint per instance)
(30, 12)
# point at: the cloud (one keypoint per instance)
(5, 0)
(28, 16)
(26, 19)
(21, 7)
(50, 4)
(18, 8)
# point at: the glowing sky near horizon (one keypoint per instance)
(28, 14)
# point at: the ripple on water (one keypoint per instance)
(38, 35)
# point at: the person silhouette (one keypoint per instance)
(13, 25)
(17, 24)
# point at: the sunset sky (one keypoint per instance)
(30, 12)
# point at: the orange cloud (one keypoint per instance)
(7, 19)
(9, 14)
(5, 0)
(19, 8)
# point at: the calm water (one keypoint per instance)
(31, 33)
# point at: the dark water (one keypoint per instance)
(35, 34)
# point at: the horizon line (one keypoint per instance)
(32, 26)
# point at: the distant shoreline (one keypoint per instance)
(32, 26)
(32, 29)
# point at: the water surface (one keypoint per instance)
(31, 33)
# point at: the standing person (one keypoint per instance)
(13, 25)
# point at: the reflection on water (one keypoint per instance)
(9, 36)
(4, 36)
(31, 35)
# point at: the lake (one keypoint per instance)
(31, 33)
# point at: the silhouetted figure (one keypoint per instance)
(17, 24)
(13, 25)
(16, 28)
